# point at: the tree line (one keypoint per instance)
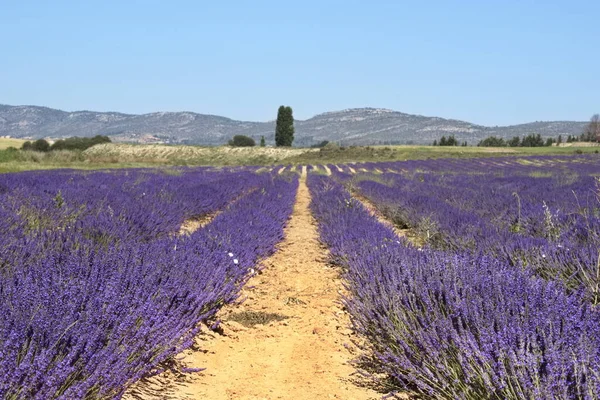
(591, 133)
(532, 140)
(284, 131)
(72, 143)
(449, 141)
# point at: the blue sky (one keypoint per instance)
(488, 62)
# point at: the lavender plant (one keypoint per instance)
(84, 317)
(450, 325)
(527, 215)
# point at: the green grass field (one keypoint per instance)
(130, 156)
(400, 153)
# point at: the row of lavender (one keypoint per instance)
(144, 203)
(96, 286)
(456, 325)
(543, 216)
(580, 164)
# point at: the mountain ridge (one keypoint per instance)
(352, 126)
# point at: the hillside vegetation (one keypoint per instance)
(357, 126)
(128, 155)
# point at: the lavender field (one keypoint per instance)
(495, 294)
(490, 291)
(98, 287)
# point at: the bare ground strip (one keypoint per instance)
(289, 338)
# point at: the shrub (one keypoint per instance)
(9, 154)
(492, 141)
(79, 143)
(320, 145)
(242, 141)
(40, 145)
(330, 146)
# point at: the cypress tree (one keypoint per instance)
(262, 141)
(279, 131)
(290, 126)
(284, 127)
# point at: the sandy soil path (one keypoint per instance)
(301, 357)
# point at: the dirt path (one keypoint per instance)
(301, 357)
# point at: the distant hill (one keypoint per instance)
(360, 126)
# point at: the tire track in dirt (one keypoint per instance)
(302, 357)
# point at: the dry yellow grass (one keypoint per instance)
(119, 155)
(580, 144)
(6, 143)
(221, 155)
